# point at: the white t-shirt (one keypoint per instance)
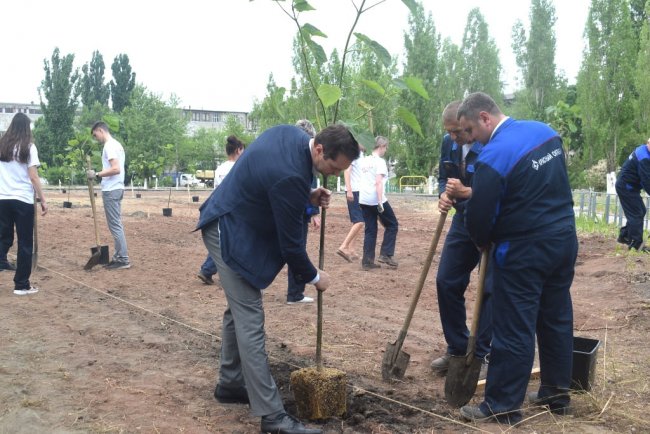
(355, 174)
(113, 150)
(371, 166)
(14, 178)
(222, 171)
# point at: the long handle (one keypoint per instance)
(423, 277)
(35, 244)
(476, 315)
(91, 192)
(321, 264)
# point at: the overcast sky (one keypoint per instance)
(218, 54)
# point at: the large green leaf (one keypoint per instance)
(329, 94)
(316, 50)
(411, 5)
(382, 54)
(374, 86)
(312, 30)
(302, 6)
(415, 84)
(409, 119)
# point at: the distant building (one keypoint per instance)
(213, 119)
(8, 110)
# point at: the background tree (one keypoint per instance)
(60, 91)
(642, 80)
(535, 55)
(481, 69)
(93, 88)
(605, 82)
(123, 82)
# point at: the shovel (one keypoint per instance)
(463, 372)
(35, 245)
(395, 360)
(99, 253)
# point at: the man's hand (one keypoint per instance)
(91, 174)
(320, 197)
(315, 221)
(457, 190)
(349, 196)
(445, 202)
(324, 281)
(380, 208)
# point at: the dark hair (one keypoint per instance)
(233, 144)
(99, 125)
(15, 143)
(477, 102)
(337, 139)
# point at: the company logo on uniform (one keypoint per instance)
(546, 158)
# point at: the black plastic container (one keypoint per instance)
(585, 352)
(138, 195)
(167, 212)
(195, 198)
(67, 204)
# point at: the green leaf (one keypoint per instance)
(411, 5)
(382, 54)
(409, 119)
(415, 84)
(302, 6)
(374, 86)
(317, 51)
(329, 94)
(313, 31)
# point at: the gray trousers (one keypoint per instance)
(113, 209)
(244, 361)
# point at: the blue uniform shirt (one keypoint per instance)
(635, 172)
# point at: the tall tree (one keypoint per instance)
(535, 57)
(606, 80)
(123, 82)
(642, 79)
(482, 68)
(422, 45)
(59, 93)
(93, 88)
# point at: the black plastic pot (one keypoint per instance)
(167, 212)
(138, 195)
(195, 198)
(67, 204)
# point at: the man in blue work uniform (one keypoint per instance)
(521, 202)
(459, 254)
(634, 175)
(252, 225)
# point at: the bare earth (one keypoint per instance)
(137, 350)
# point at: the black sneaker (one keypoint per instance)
(6, 265)
(118, 265)
(205, 279)
(388, 260)
(367, 266)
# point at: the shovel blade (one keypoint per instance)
(394, 363)
(94, 260)
(461, 381)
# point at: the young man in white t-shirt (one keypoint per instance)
(112, 175)
(374, 205)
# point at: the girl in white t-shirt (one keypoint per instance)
(18, 182)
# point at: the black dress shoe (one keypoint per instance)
(286, 424)
(554, 407)
(227, 395)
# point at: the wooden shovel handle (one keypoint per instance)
(91, 192)
(319, 302)
(476, 314)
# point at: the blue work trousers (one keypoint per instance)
(459, 257)
(531, 282)
(634, 210)
(389, 221)
(209, 268)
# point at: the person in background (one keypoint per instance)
(352, 178)
(459, 254)
(374, 205)
(19, 183)
(234, 149)
(295, 290)
(252, 225)
(112, 175)
(634, 176)
(522, 203)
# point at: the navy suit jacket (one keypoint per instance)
(260, 206)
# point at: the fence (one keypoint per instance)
(413, 183)
(602, 206)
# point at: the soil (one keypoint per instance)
(137, 350)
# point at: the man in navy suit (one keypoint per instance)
(252, 225)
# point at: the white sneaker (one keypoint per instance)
(304, 300)
(30, 290)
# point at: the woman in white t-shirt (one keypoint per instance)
(374, 205)
(18, 182)
(234, 148)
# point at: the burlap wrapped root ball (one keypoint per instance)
(319, 394)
